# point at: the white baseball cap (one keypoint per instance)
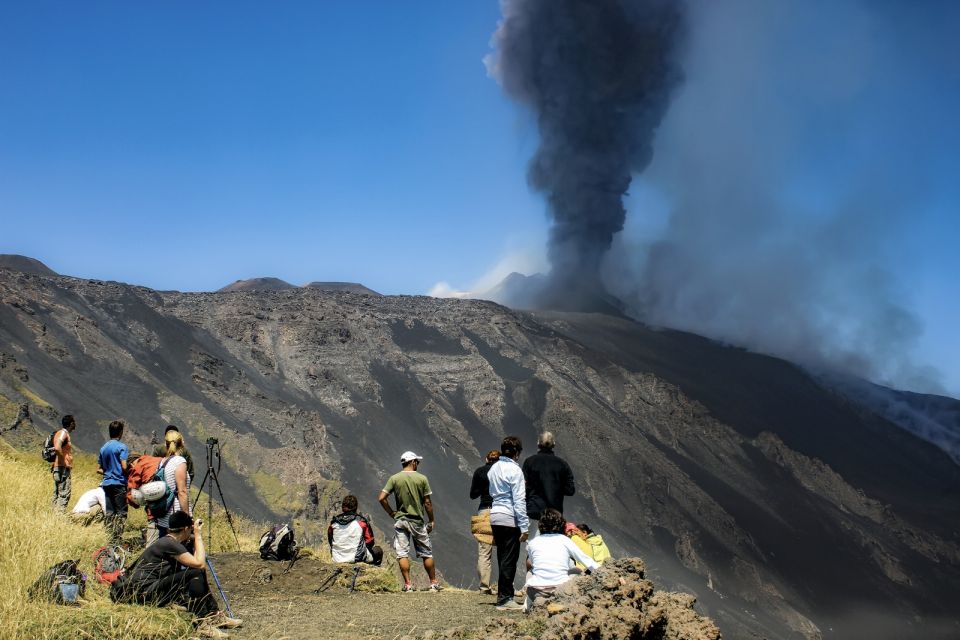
(408, 456)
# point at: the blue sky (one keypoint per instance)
(185, 145)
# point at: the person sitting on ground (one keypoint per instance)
(91, 507)
(351, 536)
(167, 573)
(589, 542)
(549, 556)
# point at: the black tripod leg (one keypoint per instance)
(226, 511)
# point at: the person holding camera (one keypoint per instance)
(167, 573)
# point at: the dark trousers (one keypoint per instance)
(188, 588)
(116, 495)
(507, 540)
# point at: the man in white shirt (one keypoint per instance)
(91, 507)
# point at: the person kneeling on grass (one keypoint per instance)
(549, 556)
(167, 573)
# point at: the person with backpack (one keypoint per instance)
(142, 470)
(548, 477)
(112, 465)
(413, 519)
(480, 488)
(166, 573)
(173, 471)
(61, 466)
(508, 518)
(182, 447)
(351, 537)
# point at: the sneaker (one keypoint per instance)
(509, 605)
(435, 586)
(222, 621)
(209, 630)
(407, 588)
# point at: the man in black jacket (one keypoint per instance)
(480, 488)
(548, 479)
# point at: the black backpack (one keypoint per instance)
(278, 543)
(49, 451)
(47, 588)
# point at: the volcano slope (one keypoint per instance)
(786, 510)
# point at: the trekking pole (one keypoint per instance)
(353, 583)
(326, 583)
(219, 588)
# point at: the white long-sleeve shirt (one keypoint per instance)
(550, 554)
(90, 498)
(509, 493)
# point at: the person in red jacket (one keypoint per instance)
(351, 536)
(142, 470)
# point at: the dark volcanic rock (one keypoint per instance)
(24, 264)
(341, 287)
(258, 284)
(781, 506)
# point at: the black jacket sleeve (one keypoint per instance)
(479, 487)
(569, 488)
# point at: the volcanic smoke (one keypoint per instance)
(598, 75)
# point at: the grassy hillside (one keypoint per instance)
(33, 537)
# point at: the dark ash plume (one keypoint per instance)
(598, 75)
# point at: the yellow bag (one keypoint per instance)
(480, 527)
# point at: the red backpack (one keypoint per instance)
(108, 564)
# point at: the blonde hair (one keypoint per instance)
(175, 444)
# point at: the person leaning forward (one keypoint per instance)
(413, 517)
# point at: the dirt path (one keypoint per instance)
(276, 605)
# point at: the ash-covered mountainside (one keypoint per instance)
(787, 510)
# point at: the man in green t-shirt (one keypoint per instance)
(412, 519)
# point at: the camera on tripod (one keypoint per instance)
(212, 441)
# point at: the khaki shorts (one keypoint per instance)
(406, 531)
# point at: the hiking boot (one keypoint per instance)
(222, 621)
(509, 605)
(407, 588)
(486, 591)
(207, 629)
(435, 586)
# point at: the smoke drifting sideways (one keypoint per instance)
(598, 76)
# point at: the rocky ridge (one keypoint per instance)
(737, 477)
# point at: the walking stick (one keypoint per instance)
(353, 583)
(219, 588)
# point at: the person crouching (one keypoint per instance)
(167, 573)
(351, 536)
(549, 556)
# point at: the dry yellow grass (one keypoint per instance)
(33, 538)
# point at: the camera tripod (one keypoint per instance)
(213, 451)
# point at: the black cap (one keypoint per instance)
(171, 427)
(180, 520)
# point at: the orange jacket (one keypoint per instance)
(141, 472)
